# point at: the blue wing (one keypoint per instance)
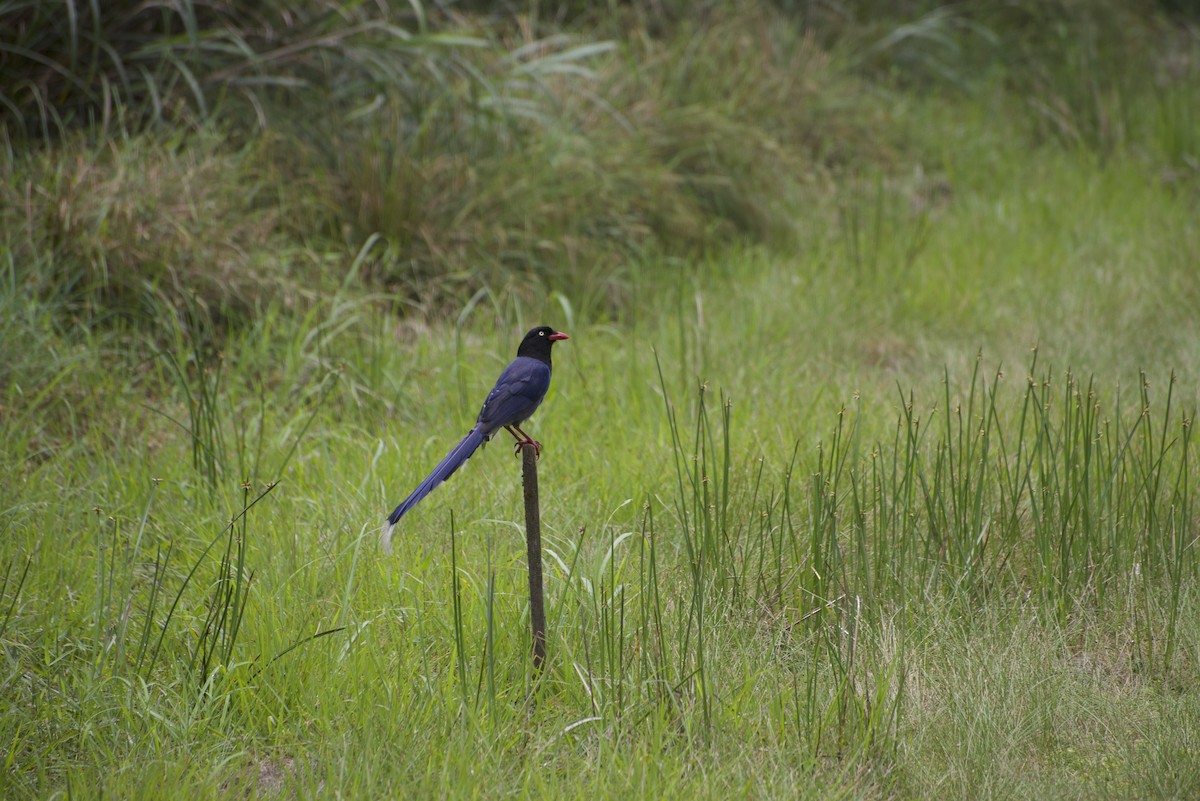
(517, 394)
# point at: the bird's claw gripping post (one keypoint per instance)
(521, 443)
(524, 439)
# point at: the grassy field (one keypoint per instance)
(867, 469)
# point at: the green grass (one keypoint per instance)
(882, 490)
(809, 590)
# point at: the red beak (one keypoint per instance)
(557, 335)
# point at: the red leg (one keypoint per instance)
(522, 440)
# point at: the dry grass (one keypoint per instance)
(141, 226)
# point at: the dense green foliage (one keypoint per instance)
(868, 468)
(219, 148)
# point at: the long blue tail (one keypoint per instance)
(461, 452)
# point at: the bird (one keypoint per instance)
(517, 394)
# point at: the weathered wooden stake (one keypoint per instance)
(533, 543)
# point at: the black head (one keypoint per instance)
(536, 344)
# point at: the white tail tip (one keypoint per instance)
(385, 538)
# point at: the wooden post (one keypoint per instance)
(533, 542)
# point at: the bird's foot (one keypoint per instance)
(521, 443)
(523, 439)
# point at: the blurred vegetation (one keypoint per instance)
(214, 157)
